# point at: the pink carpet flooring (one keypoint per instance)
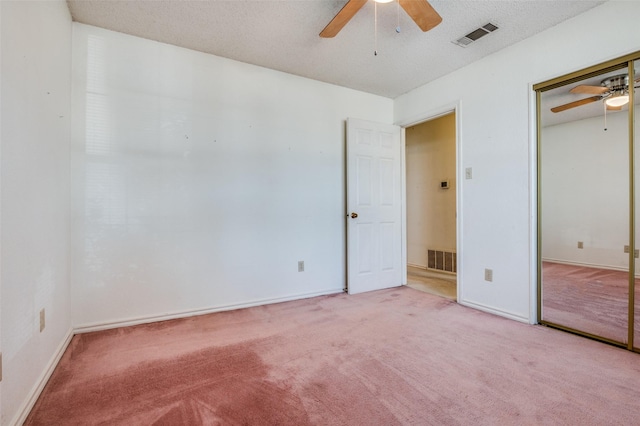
(389, 357)
(591, 300)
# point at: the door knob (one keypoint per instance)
(354, 215)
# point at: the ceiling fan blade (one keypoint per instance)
(424, 15)
(341, 19)
(589, 90)
(575, 104)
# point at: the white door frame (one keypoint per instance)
(421, 118)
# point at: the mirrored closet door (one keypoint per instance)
(586, 217)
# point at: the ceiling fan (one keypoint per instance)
(614, 91)
(423, 14)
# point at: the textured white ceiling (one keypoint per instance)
(283, 35)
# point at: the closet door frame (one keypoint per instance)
(626, 61)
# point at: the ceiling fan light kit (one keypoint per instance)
(617, 101)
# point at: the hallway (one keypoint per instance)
(443, 285)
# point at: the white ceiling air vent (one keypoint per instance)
(475, 35)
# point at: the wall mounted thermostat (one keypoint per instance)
(444, 184)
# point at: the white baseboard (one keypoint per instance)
(495, 311)
(433, 273)
(190, 313)
(35, 392)
(589, 265)
(585, 264)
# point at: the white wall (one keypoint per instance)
(496, 115)
(35, 136)
(431, 210)
(585, 191)
(1, 417)
(200, 182)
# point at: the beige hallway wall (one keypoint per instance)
(431, 210)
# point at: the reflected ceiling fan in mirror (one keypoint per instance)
(614, 91)
(422, 13)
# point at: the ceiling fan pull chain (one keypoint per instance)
(375, 29)
(420, 11)
(605, 116)
(398, 16)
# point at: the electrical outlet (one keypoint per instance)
(300, 265)
(41, 320)
(468, 173)
(626, 249)
(580, 244)
(636, 253)
(488, 275)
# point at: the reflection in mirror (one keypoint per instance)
(584, 202)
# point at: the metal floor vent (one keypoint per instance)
(475, 35)
(441, 260)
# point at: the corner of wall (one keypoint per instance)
(35, 63)
(2, 421)
(36, 390)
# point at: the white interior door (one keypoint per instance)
(374, 203)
